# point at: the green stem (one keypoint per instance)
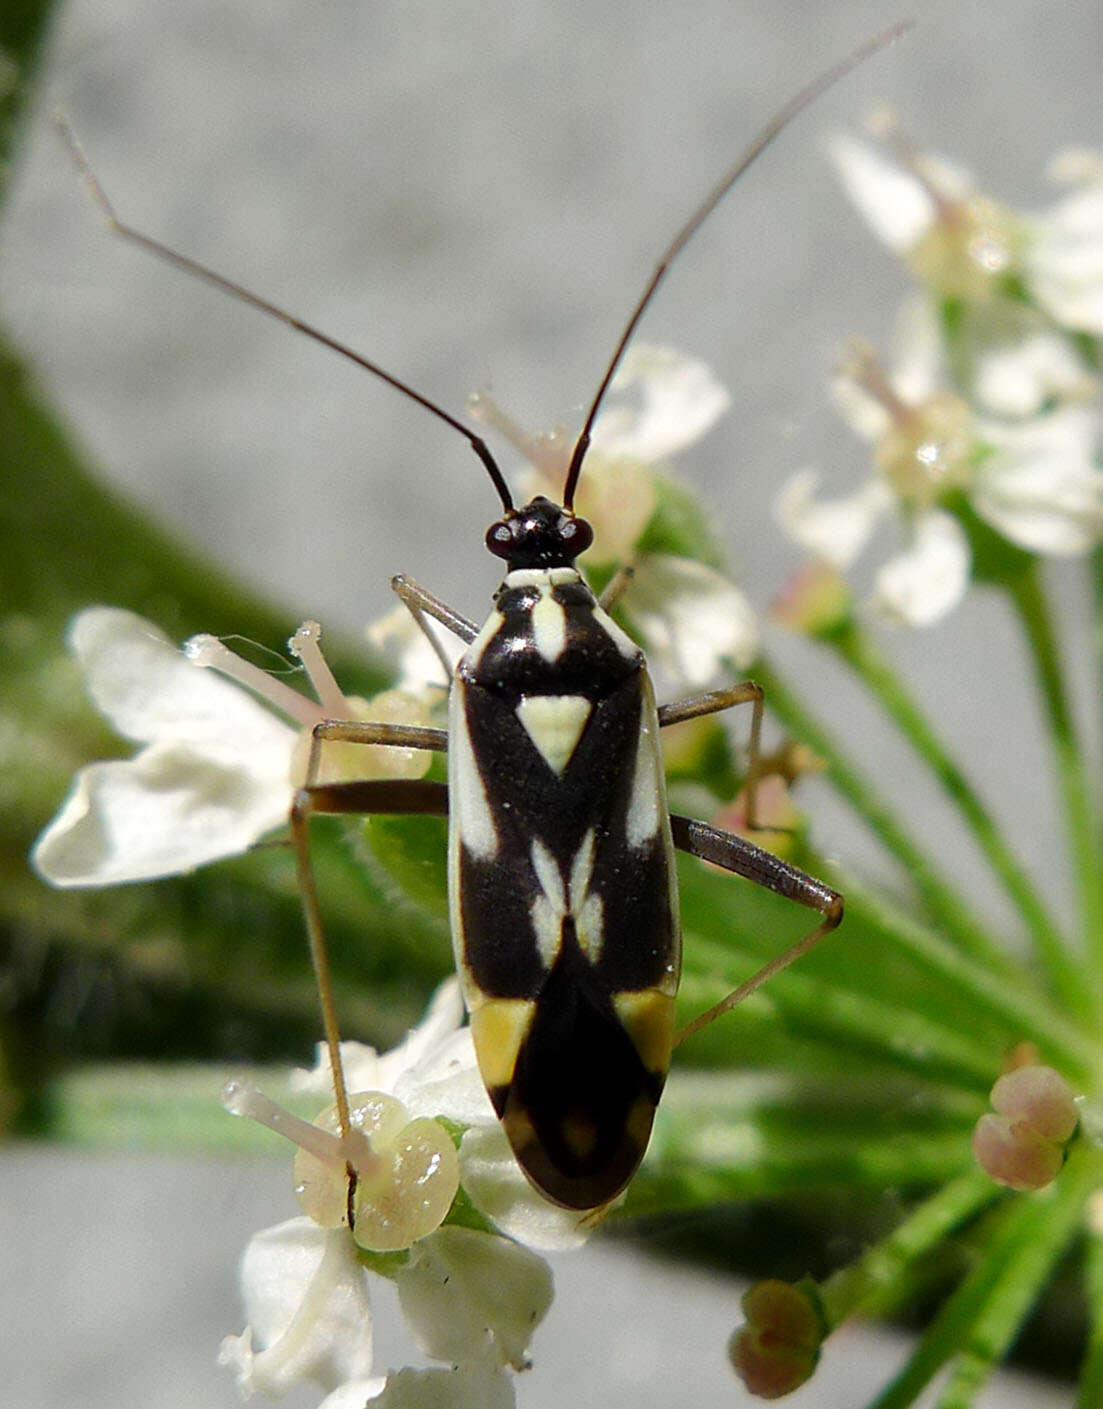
(859, 651)
(982, 1316)
(865, 1024)
(1091, 1375)
(1028, 596)
(24, 29)
(1024, 1013)
(947, 907)
(721, 1161)
(1097, 616)
(869, 1283)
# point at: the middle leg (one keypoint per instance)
(714, 702)
(743, 858)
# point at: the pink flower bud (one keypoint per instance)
(1023, 1145)
(814, 601)
(1039, 1096)
(1015, 1155)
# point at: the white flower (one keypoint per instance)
(920, 585)
(468, 1296)
(697, 624)
(212, 778)
(694, 622)
(217, 768)
(1064, 259)
(434, 1072)
(401, 645)
(963, 243)
(835, 530)
(1020, 378)
(462, 1387)
(1039, 487)
(660, 402)
(1034, 481)
(306, 1300)
(471, 1298)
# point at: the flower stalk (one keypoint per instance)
(857, 648)
(948, 908)
(979, 1320)
(1081, 818)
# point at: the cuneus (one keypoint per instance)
(562, 885)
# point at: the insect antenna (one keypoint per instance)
(201, 271)
(777, 123)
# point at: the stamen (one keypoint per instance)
(884, 124)
(209, 651)
(547, 451)
(305, 645)
(861, 365)
(242, 1098)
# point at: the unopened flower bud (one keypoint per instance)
(1039, 1096)
(814, 601)
(777, 1350)
(1022, 1146)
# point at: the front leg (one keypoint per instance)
(743, 858)
(420, 604)
(362, 796)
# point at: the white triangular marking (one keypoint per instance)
(554, 723)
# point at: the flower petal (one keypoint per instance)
(695, 622)
(152, 693)
(919, 586)
(359, 1062)
(446, 1082)
(917, 351)
(405, 648)
(443, 1017)
(463, 1387)
(493, 1181)
(433, 1071)
(1040, 488)
(1064, 264)
(307, 1304)
(162, 813)
(676, 400)
(1016, 378)
(833, 529)
(471, 1296)
(893, 201)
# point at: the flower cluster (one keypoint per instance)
(469, 1285)
(987, 416)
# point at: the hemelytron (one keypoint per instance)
(562, 886)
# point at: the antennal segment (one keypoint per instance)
(201, 271)
(780, 120)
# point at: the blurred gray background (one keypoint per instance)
(474, 195)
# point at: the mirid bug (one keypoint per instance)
(562, 885)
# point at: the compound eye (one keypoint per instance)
(499, 538)
(576, 534)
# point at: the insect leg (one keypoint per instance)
(620, 581)
(420, 603)
(712, 702)
(375, 795)
(743, 858)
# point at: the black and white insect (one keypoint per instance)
(562, 883)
